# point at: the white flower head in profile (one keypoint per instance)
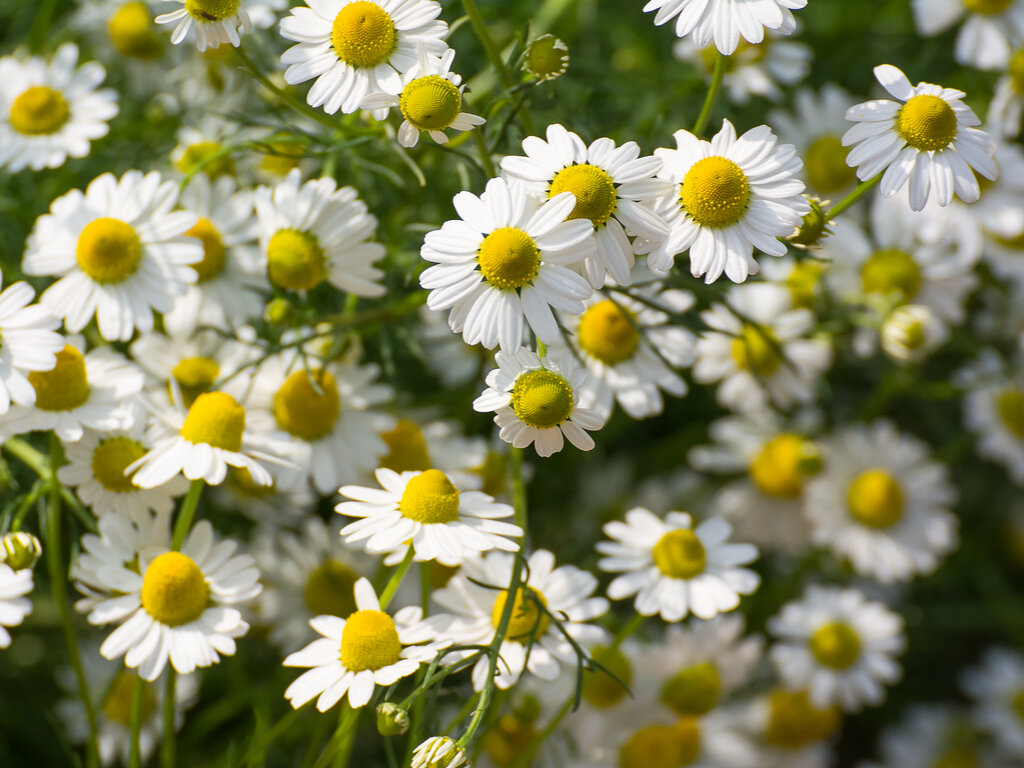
(215, 22)
(725, 23)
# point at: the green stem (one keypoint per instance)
(709, 100)
(283, 95)
(259, 745)
(187, 513)
(28, 455)
(41, 25)
(167, 745)
(862, 189)
(485, 154)
(425, 588)
(626, 630)
(396, 578)
(493, 53)
(138, 697)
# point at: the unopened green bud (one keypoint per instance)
(439, 752)
(813, 228)
(546, 58)
(20, 550)
(278, 311)
(392, 720)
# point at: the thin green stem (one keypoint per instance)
(188, 511)
(493, 53)
(485, 155)
(425, 588)
(709, 100)
(167, 745)
(862, 189)
(28, 455)
(626, 630)
(396, 578)
(260, 744)
(283, 95)
(138, 697)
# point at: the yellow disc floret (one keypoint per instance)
(108, 250)
(891, 272)
(1016, 71)
(757, 350)
(117, 700)
(875, 499)
(778, 469)
(369, 641)
(133, 33)
(407, 448)
(608, 332)
(826, 166)
(958, 757)
(679, 554)
(195, 375)
(594, 189)
(213, 249)
(109, 460)
(363, 34)
(207, 156)
(330, 590)
(39, 111)
(508, 258)
(209, 11)
(542, 399)
(295, 260)
(174, 590)
(1010, 405)
(694, 690)
(803, 282)
(835, 645)
(793, 723)
(927, 123)
(65, 386)
(715, 192)
(430, 498)
(308, 404)
(431, 103)
(987, 7)
(508, 739)
(216, 419)
(662, 746)
(527, 622)
(600, 689)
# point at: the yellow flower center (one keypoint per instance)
(826, 166)
(174, 590)
(1010, 405)
(363, 34)
(547, 57)
(494, 473)
(65, 386)
(693, 691)
(778, 470)
(508, 258)
(117, 701)
(835, 645)
(600, 689)
(715, 192)
(295, 260)
(527, 622)
(1016, 72)
(508, 739)
(407, 448)
(195, 375)
(793, 723)
(927, 123)
(217, 419)
(369, 641)
(208, 156)
(608, 332)
(987, 7)
(802, 283)
(241, 482)
(757, 349)
(891, 271)
(542, 399)
(108, 250)
(109, 460)
(1018, 703)
(209, 11)
(132, 32)
(679, 554)
(430, 498)
(330, 590)
(430, 103)
(594, 189)
(39, 111)
(875, 499)
(662, 746)
(282, 156)
(213, 249)
(958, 757)
(308, 404)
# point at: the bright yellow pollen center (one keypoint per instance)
(802, 283)
(594, 189)
(39, 111)
(363, 34)
(507, 740)
(794, 724)
(282, 156)
(174, 590)
(693, 691)
(826, 166)
(662, 746)
(216, 419)
(117, 701)
(430, 498)
(679, 554)
(875, 499)
(757, 350)
(430, 103)
(209, 156)
(987, 7)
(109, 459)
(195, 375)
(302, 410)
(407, 448)
(891, 271)
(600, 689)
(330, 590)
(835, 645)
(1016, 72)
(527, 622)
(369, 641)
(542, 399)
(209, 11)
(213, 249)
(1010, 405)
(927, 123)
(65, 386)
(608, 332)
(958, 757)
(132, 32)
(715, 192)
(108, 250)
(295, 260)
(777, 469)
(508, 258)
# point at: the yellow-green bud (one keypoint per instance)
(546, 58)
(20, 550)
(278, 311)
(392, 720)
(813, 228)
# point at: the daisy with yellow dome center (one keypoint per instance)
(358, 48)
(725, 23)
(614, 187)
(215, 22)
(426, 510)
(27, 344)
(730, 196)
(882, 503)
(929, 140)
(508, 259)
(838, 646)
(536, 402)
(50, 111)
(990, 30)
(366, 649)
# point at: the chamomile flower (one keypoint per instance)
(838, 646)
(674, 568)
(14, 603)
(790, 731)
(427, 510)
(477, 596)
(536, 402)
(215, 22)
(724, 23)
(730, 195)
(509, 257)
(434, 445)
(314, 233)
(51, 111)
(375, 649)
(882, 503)
(119, 250)
(997, 690)
(929, 140)
(29, 344)
(992, 29)
(932, 736)
(439, 752)
(123, 27)
(1007, 105)
(447, 357)
(911, 332)
(752, 70)
(615, 191)
(994, 411)
(358, 48)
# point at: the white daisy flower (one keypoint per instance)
(838, 646)
(882, 503)
(990, 33)
(357, 48)
(759, 350)
(674, 568)
(314, 232)
(509, 257)
(930, 141)
(477, 595)
(932, 736)
(439, 752)
(215, 22)
(119, 250)
(724, 23)
(752, 70)
(14, 605)
(429, 512)
(29, 344)
(911, 332)
(376, 649)
(536, 402)
(126, 27)
(791, 732)
(730, 196)
(997, 690)
(1007, 106)
(994, 411)
(51, 111)
(175, 606)
(615, 190)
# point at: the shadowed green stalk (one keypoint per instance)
(862, 189)
(138, 697)
(709, 100)
(396, 578)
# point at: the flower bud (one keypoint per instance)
(20, 550)
(813, 228)
(439, 752)
(392, 720)
(546, 58)
(911, 331)
(278, 311)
